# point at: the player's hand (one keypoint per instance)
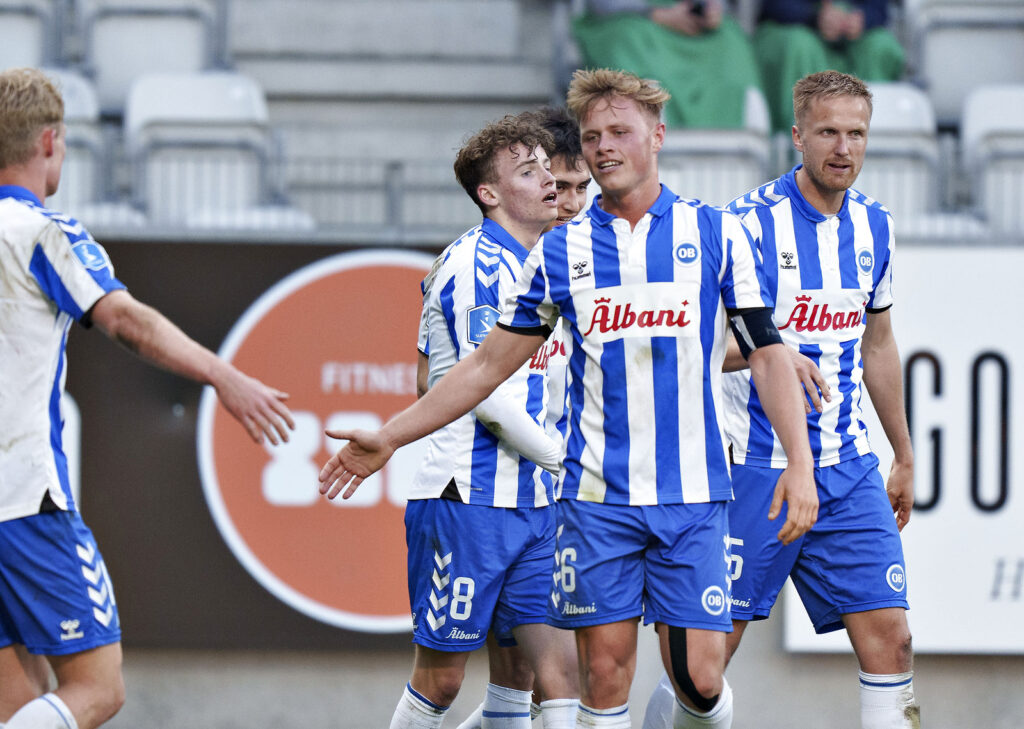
(810, 377)
(900, 488)
(854, 25)
(831, 22)
(797, 489)
(259, 408)
(365, 453)
(713, 13)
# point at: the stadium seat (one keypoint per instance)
(992, 144)
(199, 146)
(124, 39)
(901, 167)
(954, 43)
(718, 165)
(30, 32)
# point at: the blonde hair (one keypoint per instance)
(826, 85)
(29, 103)
(475, 162)
(588, 86)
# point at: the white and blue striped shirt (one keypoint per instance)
(460, 307)
(825, 273)
(52, 273)
(646, 311)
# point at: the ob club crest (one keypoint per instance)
(686, 253)
(865, 260)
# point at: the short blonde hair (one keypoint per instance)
(826, 85)
(29, 103)
(588, 86)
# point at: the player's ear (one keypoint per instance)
(658, 136)
(488, 195)
(797, 142)
(46, 138)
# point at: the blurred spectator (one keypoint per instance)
(698, 53)
(795, 38)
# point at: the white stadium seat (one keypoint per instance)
(196, 141)
(30, 32)
(124, 39)
(954, 43)
(992, 143)
(901, 167)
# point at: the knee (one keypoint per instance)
(108, 698)
(706, 681)
(441, 686)
(903, 648)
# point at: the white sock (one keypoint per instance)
(556, 713)
(658, 714)
(415, 711)
(887, 701)
(617, 718)
(506, 708)
(473, 720)
(720, 716)
(46, 712)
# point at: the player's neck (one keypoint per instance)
(826, 202)
(526, 233)
(28, 175)
(631, 205)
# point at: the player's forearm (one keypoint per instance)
(779, 391)
(510, 422)
(153, 337)
(883, 377)
(462, 388)
(734, 359)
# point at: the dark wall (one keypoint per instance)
(176, 581)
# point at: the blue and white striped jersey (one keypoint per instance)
(646, 313)
(51, 272)
(825, 273)
(460, 308)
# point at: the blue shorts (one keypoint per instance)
(55, 594)
(669, 563)
(851, 561)
(476, 568)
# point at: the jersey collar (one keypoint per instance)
(661, 206)
(499, 235)
(789, 188)
(20, 193)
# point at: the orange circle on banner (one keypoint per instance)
(339, 336)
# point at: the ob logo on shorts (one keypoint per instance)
(713, 600)
(338, 336)
(896, 578)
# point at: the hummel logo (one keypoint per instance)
(70, 630)
(787, 259)
(580, 267)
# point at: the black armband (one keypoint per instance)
(754, 328)
(543, 331)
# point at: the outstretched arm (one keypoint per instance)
(883, 376)
(459, 391)
(780, 395)
(152, 336)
